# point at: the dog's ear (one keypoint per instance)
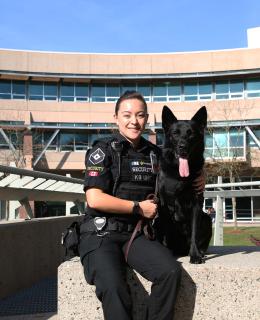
(201, 117)
(168, 118)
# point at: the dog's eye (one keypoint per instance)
(177, 131)
(189, 132)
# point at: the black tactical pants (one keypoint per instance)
(105, 267)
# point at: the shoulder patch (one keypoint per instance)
(97, 156)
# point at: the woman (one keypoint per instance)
(115, 205)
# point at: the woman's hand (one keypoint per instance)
(199, 183)
(148, 209)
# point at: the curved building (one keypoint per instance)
(54, 105)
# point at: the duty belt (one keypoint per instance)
(119, 226)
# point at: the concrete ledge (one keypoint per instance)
(226, 287)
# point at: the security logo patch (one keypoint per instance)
(97, 156)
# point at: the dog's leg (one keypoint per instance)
(195, 254)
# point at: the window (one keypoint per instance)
(145, 90)
(18, 90)
(205, 91)
(236, 89)
(66, 141)
(174, 92)
(128, 87)
(98, 93)
(67, 92)
(225, 144)
(81, 141)
(50, 91)
(81, 92)
(233, 89)
(190, 91)
(12, 89)
(251, 140)
(222, 90)
(160, 92)
(36, 90)
(112, 92)
(46, 138)
(5, 89)
(253, 88)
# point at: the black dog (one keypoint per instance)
(183, 226)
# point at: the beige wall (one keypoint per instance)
(44, 111)
(87, 64)
(30, 251)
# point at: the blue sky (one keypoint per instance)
(118, 26)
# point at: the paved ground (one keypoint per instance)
(39, 316)
(36, 302)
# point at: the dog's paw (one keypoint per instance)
(197, 259)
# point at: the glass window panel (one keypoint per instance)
(252, 95)
(98, 90)
(205, 97)
(50, 89)
(128, 87)
(160, 90)
(36, 97)
(19, 96)
(190, 98)
(67, 98)
(208, 153)
(221, 87)
(205, 88)
(236, 86)
(67, 89)
(5, 96)
(81, 98)
(96, 136)
(5, 86)
(174, 89)
(236, 152)
(98, 99)
(46, 137)
(220, 139)
(81, 138)
(174, 98)
(222, 96)
(66, 138)
(35, 88)
(50, 98)
(236, 138)
(81, 89)
(220, 152)
(190, 89)
(113, 91)
(19, 87)
(253, 84)
(158, 99)
(145, 90)
(110, 99)
(209, 141)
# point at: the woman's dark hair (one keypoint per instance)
(127, 95)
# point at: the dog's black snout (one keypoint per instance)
(182, 145)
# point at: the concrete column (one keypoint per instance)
(218, 233)
(69, 204)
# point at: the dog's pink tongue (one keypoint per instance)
(183, 167)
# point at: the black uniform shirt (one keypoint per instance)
(101, 170)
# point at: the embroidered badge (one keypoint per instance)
(97, 156)
(93, 173)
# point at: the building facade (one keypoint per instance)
(54, 105)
